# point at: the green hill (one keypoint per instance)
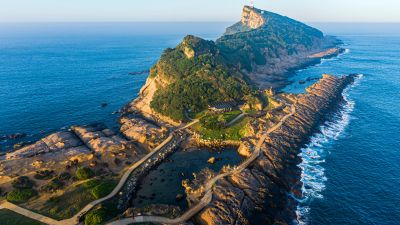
(198, 72)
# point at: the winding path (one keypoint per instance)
(209, 186)
(75, 219)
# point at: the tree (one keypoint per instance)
(84, 173)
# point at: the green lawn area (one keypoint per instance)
(235, 132)
(68, 204)
(8, 217)
(229, 116)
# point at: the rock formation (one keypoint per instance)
(258, 50)
(252, 19)
(259, 194)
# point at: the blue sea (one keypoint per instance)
(56, 75)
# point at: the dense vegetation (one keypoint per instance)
(198, 76)
(44, 175)
(103, 189)
(281, 33)
(69, 203)
(22, 182)
(95, 217)
(199, 72)
(21, 195)
(84, 173)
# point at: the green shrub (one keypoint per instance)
(22, 182)
(91, 183)
(64, 176)
(44, 175)
(53, 186)
(95, 217)
(21, 195)
(84, 173)
(102, 189)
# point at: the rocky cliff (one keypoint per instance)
(260, 193)
(257, 51)
(266, 46)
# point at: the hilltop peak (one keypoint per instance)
(252, 17)
(194, 46)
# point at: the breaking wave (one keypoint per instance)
(314, 154)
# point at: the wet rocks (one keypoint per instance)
(179, 197)
(211, 160)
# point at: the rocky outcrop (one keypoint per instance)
(100, 139)
(260, 49)
(252, 18)
(259, 194)
(51, 143)
(94, 146)
(143, 131)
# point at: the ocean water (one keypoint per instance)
(56, 75)
(351, 169)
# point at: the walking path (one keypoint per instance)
(209, 186)
(236, 119)
(75, 219)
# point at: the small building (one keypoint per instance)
(221, 107)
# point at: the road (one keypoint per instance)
(75, 219)
(207, 198)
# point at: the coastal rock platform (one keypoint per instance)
(258, 195)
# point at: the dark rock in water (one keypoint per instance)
(179, 197)
(104, 104)
(13, 136)
(129, 213)
(139, 72)
(302, 82)
(211, 160)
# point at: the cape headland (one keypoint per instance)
(256, 52)
(201, 92)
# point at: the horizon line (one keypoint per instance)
(172, 21)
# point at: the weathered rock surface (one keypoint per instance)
(258, 195)
(91, 145)
(143, 131)
(53, 142)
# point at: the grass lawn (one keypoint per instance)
(8, 217)
(68, 204)
(235, 132)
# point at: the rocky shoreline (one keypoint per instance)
(261, 193)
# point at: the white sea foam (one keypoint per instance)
(346, 51)
(313, 155)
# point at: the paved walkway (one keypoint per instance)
(207, 198)
(75, 219)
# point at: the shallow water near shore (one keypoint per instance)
(163, 184)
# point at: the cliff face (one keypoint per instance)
(252, 18)
(258, 50)
(266, 45)
(259, 194)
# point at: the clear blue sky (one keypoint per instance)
(195, 10)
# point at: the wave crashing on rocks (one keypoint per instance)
(313, 155)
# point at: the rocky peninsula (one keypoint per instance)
(199, 93)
